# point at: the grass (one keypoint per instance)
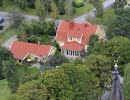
(7, 34)
(45, 39)
(4, 90)
(79, 11)
(107, 19)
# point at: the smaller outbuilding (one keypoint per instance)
(23, 51)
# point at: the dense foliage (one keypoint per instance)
(8, 69)
(126, 82)
(121, 25)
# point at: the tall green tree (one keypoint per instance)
(83, 82)
(57, 84)
(22, 3)
(54, 11)
(98, 5)
(121, 25)
(61, 7)
(120, 4)
(11, 74)
(5, 55)
(40, 9)
(101, 68)
(32, 90)
(93, 39)
(126, 82)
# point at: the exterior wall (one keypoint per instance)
(60, 43)
(74, 39)
(86, 47)
(72, 54)
(53, 50)
(101, 33)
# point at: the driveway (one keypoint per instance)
(6, 23)
(8, 43)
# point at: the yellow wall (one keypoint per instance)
(101, 33)
(60, 43)
(53, 50)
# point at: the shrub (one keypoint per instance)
(1, 3)
(77, 4)
(1, 27)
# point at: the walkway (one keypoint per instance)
(8, 43)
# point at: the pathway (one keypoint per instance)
(8, 43)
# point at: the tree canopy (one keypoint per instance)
(121, 25)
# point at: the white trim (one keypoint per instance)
(58, 29)
(50, 51)
(25, 56)
(11, 44)
(97, 29)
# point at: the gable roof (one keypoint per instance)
(75, 46)
(76, 30)
(21, 49)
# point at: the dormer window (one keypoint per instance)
(78, 40)
(69, 38)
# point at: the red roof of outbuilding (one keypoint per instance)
(75, 46)
(21, 49)
(76, 30)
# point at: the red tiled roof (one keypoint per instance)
(21, 49)
(73, 46)
(75, 30)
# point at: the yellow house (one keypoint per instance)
(72, 37)
(30, 51)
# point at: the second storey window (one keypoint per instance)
(70, 38)
(78, 40)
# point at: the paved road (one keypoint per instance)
(106, 5)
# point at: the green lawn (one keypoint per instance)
(79, 11)
(4, 90)
(7, 34)
(45, 39)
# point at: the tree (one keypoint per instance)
(32, 90)
(11, 74)
(54, 11)
(56, 60)
(40, 9)
(68, 9)
(61, 7)
(5, 55)
(98, 5)
(93, 39)
(118, 44)
(15, 16)
(121, 25)
(126, 82)
(1, 3)
(84, 83)
(21, 3)
(101, 68)
(119, 4)
(57, 84)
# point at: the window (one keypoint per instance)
(70, 38)
(78, 40)
(20, 61)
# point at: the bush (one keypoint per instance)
(1, 3)
(77, 4)
(1, 27)
(31, 3)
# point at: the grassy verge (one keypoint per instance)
(7, 34)
(4, 90)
